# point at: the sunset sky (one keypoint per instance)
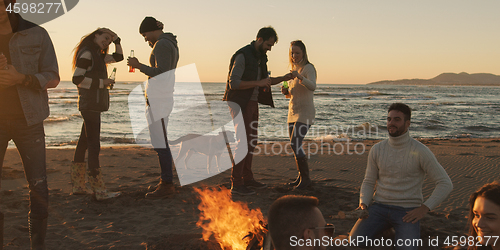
(349, 42)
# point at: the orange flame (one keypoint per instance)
(228, 221)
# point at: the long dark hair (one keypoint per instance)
(88, 41)
(491, 192)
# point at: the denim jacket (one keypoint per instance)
(32, 53)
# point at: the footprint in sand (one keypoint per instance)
(467, 154)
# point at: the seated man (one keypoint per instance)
(295, 222)
(399, 166)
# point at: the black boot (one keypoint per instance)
(38, 229)
(1, 230)
(305, 181)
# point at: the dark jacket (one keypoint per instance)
(95, 98)
(242, 96)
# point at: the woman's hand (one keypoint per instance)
(284, 91)
(108, 82)
(296, 74)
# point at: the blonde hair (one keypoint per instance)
(304, 61)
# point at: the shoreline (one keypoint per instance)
(478, 139)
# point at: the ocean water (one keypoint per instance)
(342, 111)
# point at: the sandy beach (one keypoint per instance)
(132, 222)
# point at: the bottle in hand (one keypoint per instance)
(287, 93)
(112, 77)
(130, 68)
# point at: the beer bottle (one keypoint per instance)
(130, 68)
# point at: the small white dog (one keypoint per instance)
(209, 145)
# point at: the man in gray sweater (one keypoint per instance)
(163, 60)
(398, 167)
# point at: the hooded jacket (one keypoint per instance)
(164, 56)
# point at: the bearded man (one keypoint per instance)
(398, 167)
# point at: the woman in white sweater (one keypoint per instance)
(301, 108)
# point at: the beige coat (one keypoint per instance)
(301, 107)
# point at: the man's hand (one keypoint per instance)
(364, 208)
(416, 214)
(266, 83)
(133, 62)
(10, 77)
(277, 80)
(288, 77)
(3, 61)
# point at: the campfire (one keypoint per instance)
(233, 225)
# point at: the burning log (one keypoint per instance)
(232, 224)
(260, 241)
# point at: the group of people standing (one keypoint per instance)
(396, 167)
(249, 84)
(26, 77)
(90, 76)
(28, 67)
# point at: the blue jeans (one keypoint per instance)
(297, 131)
(30, 143)
(382, 217)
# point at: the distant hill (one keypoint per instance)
(479, 79)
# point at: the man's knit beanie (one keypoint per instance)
(148, 24)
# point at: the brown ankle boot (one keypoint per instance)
(163, 190)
